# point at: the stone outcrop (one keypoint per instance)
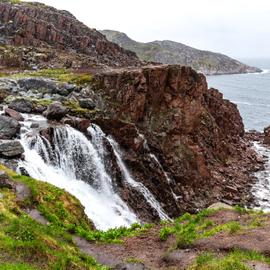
(6, 181)
(196, 135)
(9, 127)
(55, 111)
(37, 25)
(21, 105)
(10, 148)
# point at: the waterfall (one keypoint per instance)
(151, 200)
(74, 163)
(155, 159)
(97, 133)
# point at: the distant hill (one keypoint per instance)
(170, 52)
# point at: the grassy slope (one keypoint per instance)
(26, 244)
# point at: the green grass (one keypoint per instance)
(23, 240)
(16, 266)
(113, 235)
(234, 260)
(12, 2)
(76, 110)
(65, 213)
(189, 228)
(62, 75)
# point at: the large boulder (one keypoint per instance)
(87, 103)
(81, 124)
(21, 105)
(10, 148)
(5, 181)
(14, 114)
(9, 127)
(55, 111)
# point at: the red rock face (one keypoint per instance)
(39, 25)
(195, 133)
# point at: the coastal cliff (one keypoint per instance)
(171, 52)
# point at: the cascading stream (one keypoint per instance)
(97, 133)
(137, 185)
(72, 162)
(261, 189)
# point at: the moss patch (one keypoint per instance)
(61, 75)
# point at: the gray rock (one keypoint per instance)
(130, 266)
(22, 192)
(10, 148)
(37, 216)
(34, 125)
(45, 85)
(87, 103)
(8, 85)
(5, 181)
(8, 127)
(22, 105)
(55, 111)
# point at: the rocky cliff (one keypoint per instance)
(39, 26)
(170, 52)
(194, 132)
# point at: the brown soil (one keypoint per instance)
(156, 254)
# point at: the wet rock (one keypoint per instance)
(55, 111)
(14, 114)
(9, 127)
(81, 124)
(5, 181)
(130, 266)
(87, 103)
(21, 105)
(34, 125)
(10, 148)
(266, 139)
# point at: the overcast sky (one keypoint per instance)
(239, 28)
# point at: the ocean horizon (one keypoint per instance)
(250, 92)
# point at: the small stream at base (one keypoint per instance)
(261, 189)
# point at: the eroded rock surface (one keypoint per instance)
(196, 135)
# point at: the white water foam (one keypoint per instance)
(73, 163)
(96, 132)
(261, 189)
